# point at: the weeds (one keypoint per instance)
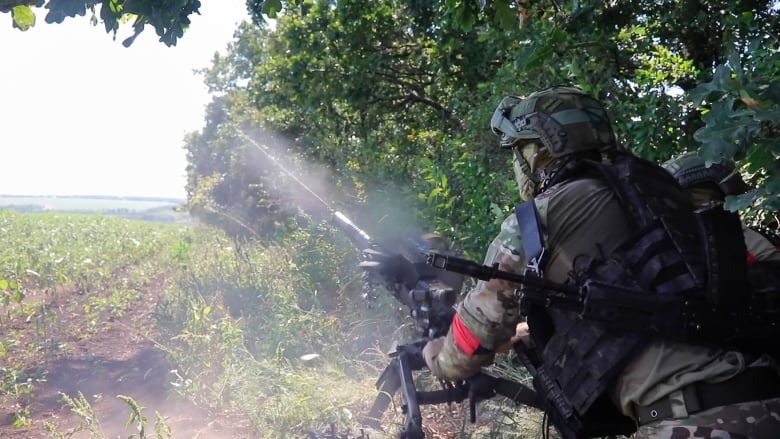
(277, 333)
(17, 385)
(90, 424)
(11, 292)
(58, 285)
(139, 420)
(242, 316)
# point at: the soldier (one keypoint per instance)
(710, 185)
(594, 212)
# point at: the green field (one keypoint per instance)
(86, 203)
(210, 336)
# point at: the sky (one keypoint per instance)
(80, 114)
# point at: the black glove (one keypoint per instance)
(388, 269)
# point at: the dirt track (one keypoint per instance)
(116, 358)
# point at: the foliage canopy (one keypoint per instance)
(394, 96)
(170, 18)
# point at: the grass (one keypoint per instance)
(275, 334)
(63, 278)
(89, 423)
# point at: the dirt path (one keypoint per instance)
(73, 347)
(118, 357)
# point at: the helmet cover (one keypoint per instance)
(563, 119)
(691, 171)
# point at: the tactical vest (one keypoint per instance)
(676, 255)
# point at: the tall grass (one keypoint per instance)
(278, 331)
(48, 263)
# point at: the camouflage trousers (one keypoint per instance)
(747, 420)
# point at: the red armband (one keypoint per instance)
(750, 259)
(464, 338)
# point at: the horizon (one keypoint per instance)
(94, 196)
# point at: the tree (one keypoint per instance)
(681, 74)
(377, 95)
(230, 184)
(394, 97)
(694, 76)
(169, 18)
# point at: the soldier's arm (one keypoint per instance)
(759, 247)
(487, 318)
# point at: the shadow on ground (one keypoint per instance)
(115, 356)
(143, 376)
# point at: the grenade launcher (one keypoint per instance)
(430, 294)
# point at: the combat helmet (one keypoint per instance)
(547, 127)
(564, 119)
(691, 171)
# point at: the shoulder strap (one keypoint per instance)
(531, 235)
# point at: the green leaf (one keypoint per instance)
(3, 284)
(110, 14)
(713, 90)
(272, 8)
(720, 112)
(23, 16)
(735, 64)
(741, 202)
(18, 296)
(498, 214)
(767, 115)
(505, 16)
(715, 148)
(59, 9)
(722, 77)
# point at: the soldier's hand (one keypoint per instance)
(431, 352)
(388, 268)
(521, 334)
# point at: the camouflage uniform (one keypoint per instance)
(490, 310)
(747, 420)
(711, 184)
(760, 248)
(583, 217)
(755, 419)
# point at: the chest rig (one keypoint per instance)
(663, 280)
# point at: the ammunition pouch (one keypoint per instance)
(682, 275)
(725, 250)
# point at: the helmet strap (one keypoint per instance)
(551, 174)
(559, 170)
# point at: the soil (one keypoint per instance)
(64, 353)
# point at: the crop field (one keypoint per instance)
(111, 327)
(149, 209)
(76, 296)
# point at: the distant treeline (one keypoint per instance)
(140, 208)
(165, 214)
(104, 197)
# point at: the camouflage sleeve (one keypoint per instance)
(490, 311)
(759, 247)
